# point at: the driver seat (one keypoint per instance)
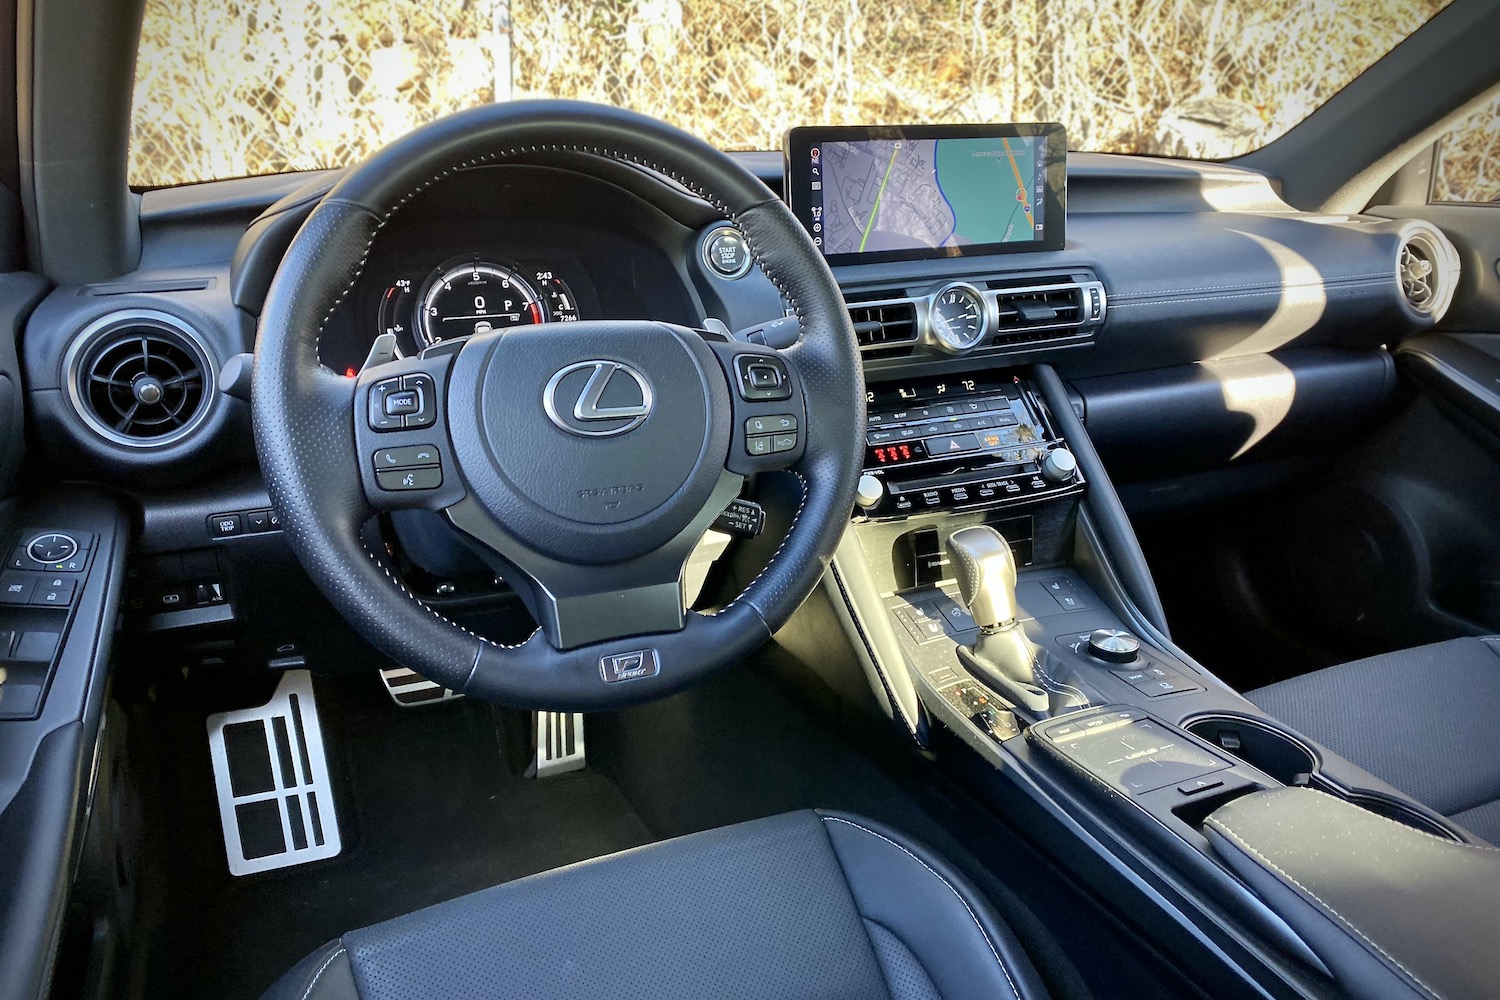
(806, 904)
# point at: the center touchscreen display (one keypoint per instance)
(909, 192)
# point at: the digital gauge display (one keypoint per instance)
(469, 296)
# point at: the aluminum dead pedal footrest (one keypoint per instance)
(409, 689)
(559, 743)
(271, 774)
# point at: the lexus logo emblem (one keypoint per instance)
(597, 398)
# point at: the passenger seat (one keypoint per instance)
(1422, 720)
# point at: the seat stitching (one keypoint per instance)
(319, 974)
(1218, 824)
(951, 888)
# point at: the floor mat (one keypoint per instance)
(431, 811)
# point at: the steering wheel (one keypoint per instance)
(585, 459)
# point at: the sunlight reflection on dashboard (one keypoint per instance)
(1258, 386)
(1303, 301)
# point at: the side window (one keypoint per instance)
(1468, 159)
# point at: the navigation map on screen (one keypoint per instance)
(878, 195)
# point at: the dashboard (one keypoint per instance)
(1148, 281)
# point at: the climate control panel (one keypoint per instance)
(965, 442)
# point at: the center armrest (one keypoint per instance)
(1391, 910)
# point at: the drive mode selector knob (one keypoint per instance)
(869, 492)
(1059, 466)
(1113, 645)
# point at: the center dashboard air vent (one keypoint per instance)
(885, 329)
(140, 378)
(1011, 314)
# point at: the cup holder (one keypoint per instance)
(1258, 744)
(1291, 762)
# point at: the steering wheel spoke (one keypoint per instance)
(579, 604)
(402, 437)
(769, 412)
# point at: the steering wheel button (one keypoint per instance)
(758, 444)
(399, 404)
(425, 412)
(762, 377)
(770, 425)
(783, 442)
(406, 457)
(401, 480)
(380, 418)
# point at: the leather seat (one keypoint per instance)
(805, 904)
(1422, 720)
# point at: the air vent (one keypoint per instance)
(1427, 267)
(1033, 314)
(140, 378)
(885, 329)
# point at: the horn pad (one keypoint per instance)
(593, 442)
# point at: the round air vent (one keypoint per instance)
(140, 378)
(1427, 266)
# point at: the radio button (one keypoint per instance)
(932, 498)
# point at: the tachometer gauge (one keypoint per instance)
(475, 297)
(956, 318)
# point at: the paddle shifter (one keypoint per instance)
(1002, 657)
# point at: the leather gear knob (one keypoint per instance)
(985, 570)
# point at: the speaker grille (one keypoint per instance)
(141, 379)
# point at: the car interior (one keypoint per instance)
(549, 555)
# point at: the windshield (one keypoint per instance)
(230, 88)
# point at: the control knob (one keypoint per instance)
(1113, 645)
(869, 492)
(1059, 466)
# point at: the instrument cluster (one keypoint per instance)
(471, 294)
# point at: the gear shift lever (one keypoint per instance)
(985, 569)
(1003, 657)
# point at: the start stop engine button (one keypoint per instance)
(726, 253)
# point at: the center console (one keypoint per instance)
(990, 582)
